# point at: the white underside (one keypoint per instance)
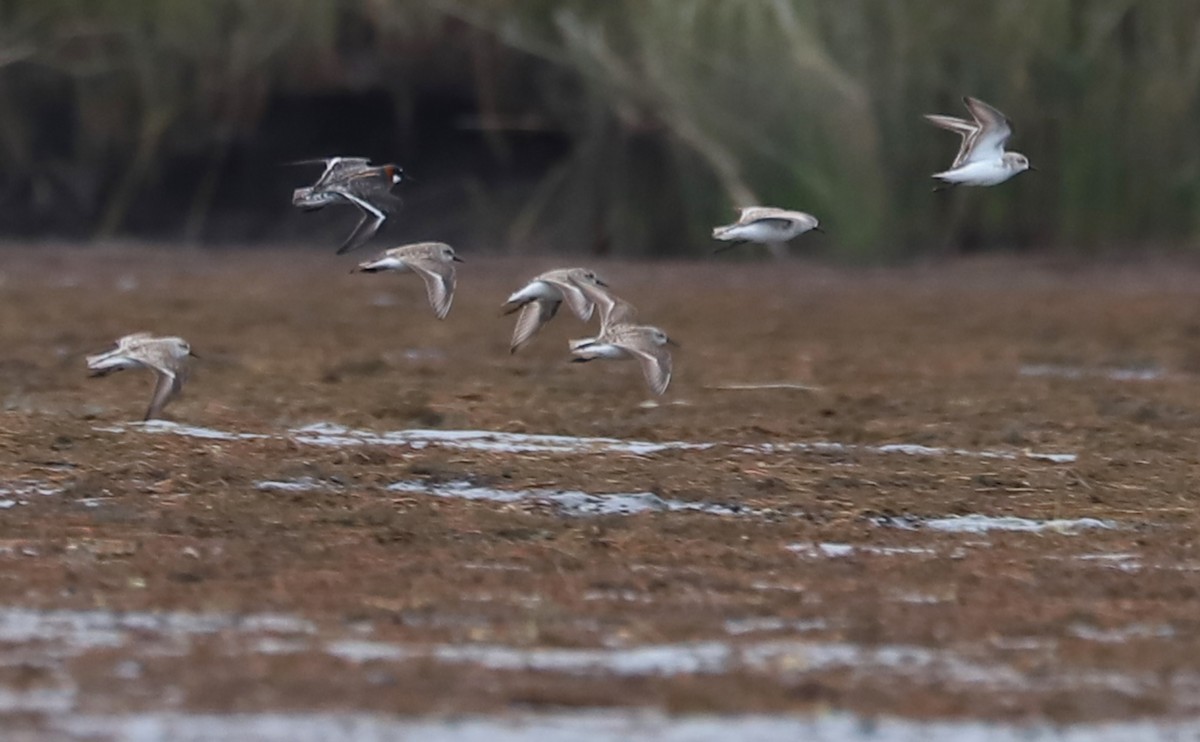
(601, 350)
(991, 172)
(757, 232)
(388, 264)
(111, 363)
(535, 290)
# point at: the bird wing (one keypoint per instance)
(334, 166)
(613, 309)
(654, 359)
(994, 132)
(751, 214)
(533, 316)
(580, 304)
(439, 283)
(167, 386)
(965, 129)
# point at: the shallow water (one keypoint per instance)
(331, 434)
(976, 523)
(615, 725)
(573, 502)
(1147, 373)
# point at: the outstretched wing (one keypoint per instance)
(335, 166)
(994, 132)
(439, 284)
(966, 129)
(655, 361)
(167, 386)
(613, 309)
(533, 316)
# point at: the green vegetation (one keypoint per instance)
(677, 110)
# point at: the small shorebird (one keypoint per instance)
(766, 225)
(539, 300)
(355, 181)
(621, 339)
(981, 159)
(432, 261)
(624, 341)
(165, 356)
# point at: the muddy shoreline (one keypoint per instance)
(350, 509)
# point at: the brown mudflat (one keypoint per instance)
(827, 548)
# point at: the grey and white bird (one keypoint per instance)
(165, 356)
(620, 338)
(766, 225)
(432, 261)
(539, 300)
(981, 159)
(644, 343)
(353, 180)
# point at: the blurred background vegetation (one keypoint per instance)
(622, 126)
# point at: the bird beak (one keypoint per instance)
(1034, 169)
(457, 259)
(192, 353)
(672, 342)
(819, 228)
(601, 283)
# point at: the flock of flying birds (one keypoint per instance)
(981, 161)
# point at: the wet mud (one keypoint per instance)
(945, 494)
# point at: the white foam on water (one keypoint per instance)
(572, 502)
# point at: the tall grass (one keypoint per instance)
(676, 110)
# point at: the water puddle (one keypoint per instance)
(836, 550)
(609, 725)
(187, 431)
(1121, 634)
(767, 386)
(765, 624)
(303, 484)
(1057, 371)
(572, 502)
(19, 492)
(51, 639)
(330, 434)
(911, 449)
(976, 523)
